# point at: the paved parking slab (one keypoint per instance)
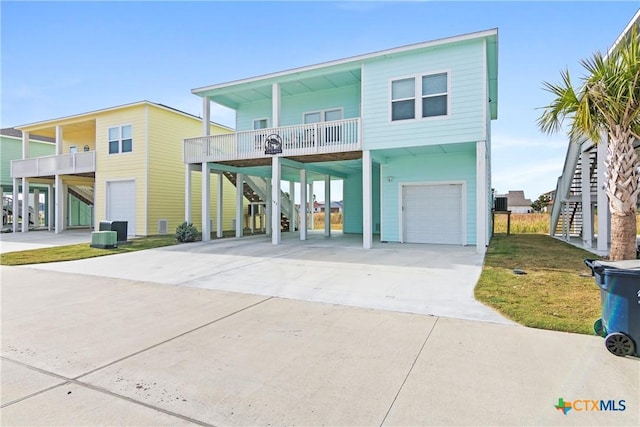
(473, 373)
(250, 360)
(323, 365)
(18, 381)
(70, 324)
(74, 405)
(424, 279)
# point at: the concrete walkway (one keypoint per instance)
(88, 350)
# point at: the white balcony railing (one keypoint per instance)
(63, 164)
(325, 137)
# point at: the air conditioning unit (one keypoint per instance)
(500, 204)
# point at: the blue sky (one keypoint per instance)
(64, 58)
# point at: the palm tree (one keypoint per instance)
(607, 101)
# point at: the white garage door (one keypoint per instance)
(121, 203)
(432, 214)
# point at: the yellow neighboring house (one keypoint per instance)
(125, 162)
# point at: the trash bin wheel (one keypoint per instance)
(619, 344)
(598, 327)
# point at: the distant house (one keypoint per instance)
(336, 207)
(118, 163)
(517, 203)
(551, 195)
(11, 149)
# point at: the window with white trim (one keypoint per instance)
(260, 124)
(121, 139)
(433, 100)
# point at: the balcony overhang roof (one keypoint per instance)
(337, 73)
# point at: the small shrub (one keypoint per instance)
(186, 232)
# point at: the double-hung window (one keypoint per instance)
(121, 139)
(432, 102)
(332, 133)
(434, 95)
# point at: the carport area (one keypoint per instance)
(413, 278)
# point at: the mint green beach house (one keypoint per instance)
(407, 130)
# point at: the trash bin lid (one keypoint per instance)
(630, 264)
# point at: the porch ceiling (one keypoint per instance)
(233, 96)
(69, 128)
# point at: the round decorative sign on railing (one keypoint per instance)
(273, 144)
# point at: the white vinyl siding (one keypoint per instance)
(432, 214)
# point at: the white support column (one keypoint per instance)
(367, 200)
(276, 171)
(303, 204)
(239, 212)
(59, 139)
(15, 209)
(293, 221)
(310, 204)
(50, 206)
(219, 204)
(268, 206)
(585, 189)
(206, 202)
(187, 193)
(275, 105)
(25, 205)
(603, 201)
(25, 145)
(482, 196)
(59, 205)
(36, 207)
(327, 206)
(206, 116)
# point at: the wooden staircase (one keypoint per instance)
(253, 197)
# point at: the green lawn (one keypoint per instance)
(81, 251)
(557, 292)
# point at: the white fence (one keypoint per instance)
(324, 137)
(63, 164)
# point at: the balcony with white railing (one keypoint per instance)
(297, 140)
(62, 164)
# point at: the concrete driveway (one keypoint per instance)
(422, 279)
(240, 332)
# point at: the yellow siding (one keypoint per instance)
(122, 166)
(78, 136)
(167, 172)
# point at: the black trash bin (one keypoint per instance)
(619, 283)
(120, 227)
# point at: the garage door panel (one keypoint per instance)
(121, 203)
(432, 214)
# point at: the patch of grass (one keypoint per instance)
(557, 292)
(81, 251)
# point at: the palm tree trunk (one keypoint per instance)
(623, 237)
(622, 190)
